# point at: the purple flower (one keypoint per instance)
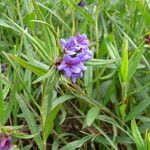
(5, 142)
(75, 44)
(147, 40)
(81, 3)
(69, 46)
(82, 41)
(76, 53)
(72, 66)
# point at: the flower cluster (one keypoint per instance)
(5, 142)
(76, 54)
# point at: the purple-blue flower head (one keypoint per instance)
(71, 66)
(76, 53)
(5, 142)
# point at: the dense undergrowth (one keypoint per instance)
(107, 108)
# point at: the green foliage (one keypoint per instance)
(91, 116)
(108, 108)
(137, 136)
(76, 144)
(124, 62)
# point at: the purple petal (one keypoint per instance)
(3, 141)
(63, 42)
(80, 75)
(76, 61)
(75, 69)
(76, 75)
(70, 52)
(82, 67)
(74, 78)
(88, 52)
(62, 66)
(72, 49)
(67, 73)
(67, 58)
(70, 43)
(81, 4)
(82, 39)
(86, 58)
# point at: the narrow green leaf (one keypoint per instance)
(36, 44)
(62, 99)
(134, 62)
(55, 14)
(76, 144)
(37, 70)
(102, 62)
(1, 100)
(124, 62)
(91, 115)
(23, 136)
(147, 140)
(137, 136)
(30, 120)
(47, 75)
(49, 38)
(50, 122)
(122, 109)
(137, 109)
(88, 79)
(5, 24)
(9, 105)
(113, 122)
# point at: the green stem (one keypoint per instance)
(73, 20)
(1, 100)
(97, 49)
(43, 110)
(44, 145)
(18, 10)
(124, 92)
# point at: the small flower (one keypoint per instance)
(147, 40)
(5, 142)
(82, 41)
(84, 56)
(69, 46)
(71, 65)
(3, 67)
(81, 3)
(75, 44)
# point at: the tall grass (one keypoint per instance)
(106, 110)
